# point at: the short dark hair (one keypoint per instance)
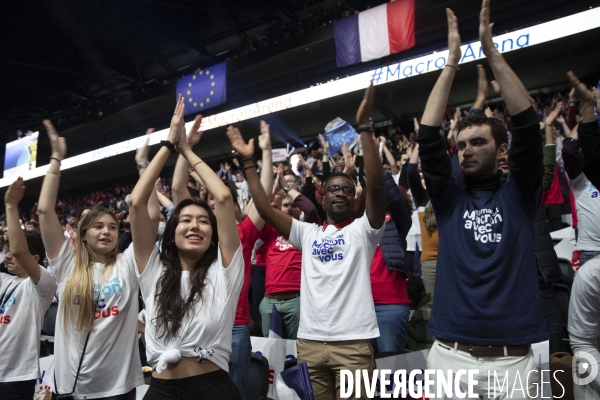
(499, 132)
(35, 244)
(33, 223)
(193, 192)
(336, 174)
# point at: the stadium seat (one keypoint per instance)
(47, 336)
(256, 320)
(290, 363)
(50, 320)
(566, 268)
(257, 381)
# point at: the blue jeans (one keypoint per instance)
(239, 359)
(586, 255)
(393, 322)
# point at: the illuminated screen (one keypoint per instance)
(20, 156)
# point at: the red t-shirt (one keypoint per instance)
(387, 287)
(283, 265)
(248, 235)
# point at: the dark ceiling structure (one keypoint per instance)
(69, 61)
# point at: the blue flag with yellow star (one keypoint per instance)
(204, 88)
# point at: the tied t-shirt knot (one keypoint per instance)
(167, 357)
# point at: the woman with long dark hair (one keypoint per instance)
(96, 352)
(191, 286)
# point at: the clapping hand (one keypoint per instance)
(245, 150)
(57, 143)
(177, 122)
(15, 192)
(194, 134)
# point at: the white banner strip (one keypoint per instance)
(435, 61)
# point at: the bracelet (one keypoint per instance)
(169, 145)
(452, 66)
(248, 159)
(250, 166)
(54, 158)
(364, 128)
(194, 166)
(143, 165)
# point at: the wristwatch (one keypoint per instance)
(287, 188)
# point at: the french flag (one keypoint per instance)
(375, 33)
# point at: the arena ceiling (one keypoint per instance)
(60, 54)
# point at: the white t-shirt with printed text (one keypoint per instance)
(587, 200)
(111, 363)
(336, 299)
(21, 320)
(209, 325)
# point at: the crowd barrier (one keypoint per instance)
(278, 351)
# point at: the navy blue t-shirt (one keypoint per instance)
(486, 278)
(486, 289)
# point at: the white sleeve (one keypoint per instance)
(59, 267)
(234, 274)
(584, 305)
(298, 231)
(45, 288)
(151, 274)
(372, 235)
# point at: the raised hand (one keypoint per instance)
(177, 122)
(194, 134)
(264, 140)
(485, 30)
(141, 154)
(72, 232)
(581, 91)
(349, 159)
(554, 113)
(57, 143)
(489, 113)
(303, 162)
(324, 143)
(415, 126)
(15, 192)
(281, 180)
(482, 84)
(454, 52)
(366, 106)
(245, 150)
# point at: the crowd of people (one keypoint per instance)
(452, 219)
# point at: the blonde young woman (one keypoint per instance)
(190, 286)
(96, 349)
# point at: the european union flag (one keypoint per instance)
(204, 89)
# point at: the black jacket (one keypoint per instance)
(549, 270)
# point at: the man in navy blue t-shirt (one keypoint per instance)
(486, 311)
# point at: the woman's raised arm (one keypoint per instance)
(144, 239)
(52, 232)
(229, 240)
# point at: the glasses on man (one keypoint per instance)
(335, 189)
